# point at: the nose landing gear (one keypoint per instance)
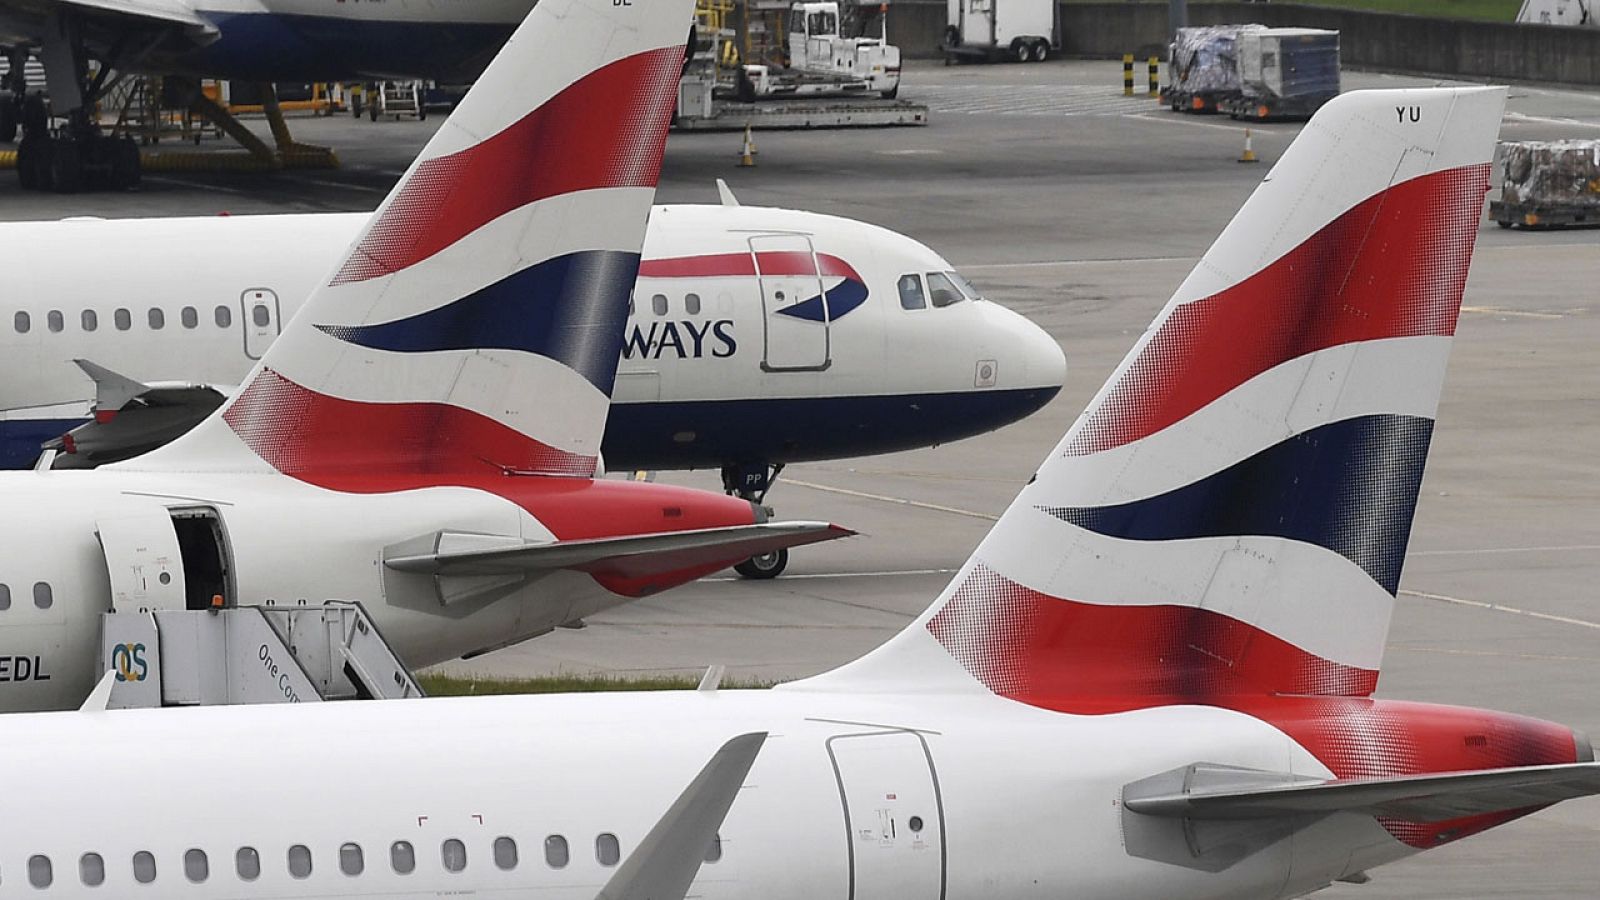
(751, 482)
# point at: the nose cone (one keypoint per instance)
(1029, 358)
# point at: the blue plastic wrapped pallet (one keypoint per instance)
(1288, 63)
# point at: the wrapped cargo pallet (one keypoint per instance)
(1205, 59)
(1551, 173)
(1289, 63)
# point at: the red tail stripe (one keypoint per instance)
(578, 140)
(722, 265)
(1091, 658)
(338, 443)
(1393, 266)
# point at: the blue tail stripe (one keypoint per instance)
(569, 308)
(842, 298)
(1349, 486)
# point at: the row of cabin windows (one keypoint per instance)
(43, 596)
(155, 317)
(660, 305)
(352, 860)
(943, 288)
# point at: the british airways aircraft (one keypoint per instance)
(755, 338)
(424, 436)
(1153, 678)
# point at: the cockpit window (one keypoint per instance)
(965, 286)
(943, 290)
(911, 296)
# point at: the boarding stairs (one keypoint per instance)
(250, 654)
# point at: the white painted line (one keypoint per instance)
(896, 573)
(1514, 313)
(1495, 607)
(1515, 118)
(1555, 548)
(1164, 116)
(1066, 263)
(899, 501)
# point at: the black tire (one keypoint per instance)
(892, 93)
(66, 167)
(372, 111)
(1021, 52)
(10, 118)
(355, 104)
(1041, 51)
(127, 167)
(1503, 223)
(422, 112)
(765, 566)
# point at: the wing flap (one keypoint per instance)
(630, 556)
(1205, 791)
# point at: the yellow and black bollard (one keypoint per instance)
(1127, 74)
(1155, 77)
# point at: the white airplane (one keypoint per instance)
(424, 436)
(753, 335)
(1152, 679)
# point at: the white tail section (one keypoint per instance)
(475, 325)
(1231, 512)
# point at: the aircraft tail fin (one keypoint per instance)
(474, 326)
(1230, 514)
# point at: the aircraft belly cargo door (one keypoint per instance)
(893, 814)
(795, 317)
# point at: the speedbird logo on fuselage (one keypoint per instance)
(690, 339)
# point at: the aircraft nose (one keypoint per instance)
(1028, 356)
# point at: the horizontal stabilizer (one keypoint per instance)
(1205, 791)
(666, 861)
(631, 556)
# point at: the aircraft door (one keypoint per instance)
(143, 560)
(794, 304)
(258, 311)
(894, 816)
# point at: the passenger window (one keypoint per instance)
(92, 869)
(22, 322)
(402, 857)
(55, 320)
(43, 597)
(911, 296)
(248, 863)
(714, 852)
(351, 860)
(90, 320)
(300, 861)
(454, 854)
(144, 867)
(158, 319)
(555, 851)
(260, 315)
(40, 874)
(224, 317)
(942, 290)
(123, 319)
(5, 597)
(189, 317)
(606, 849)
(505, 853)
(196, 867)
(691, 304)
(658, 304)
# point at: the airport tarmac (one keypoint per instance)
(1084, 210)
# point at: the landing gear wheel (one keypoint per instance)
(767, 565)
(1041, 51)
(126, 165)
(28, 162)
(66, 167)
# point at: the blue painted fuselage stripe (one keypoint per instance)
(1349, 486)
(20, 439)
(842, 298)
(570, 309)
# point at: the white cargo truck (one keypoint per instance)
(823, 62)
(1023, 30)
(1577, 13)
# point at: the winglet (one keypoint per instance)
(100, 698)
(726, 193)
(112, 390)
(666, 861)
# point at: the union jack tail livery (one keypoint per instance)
(474, 327)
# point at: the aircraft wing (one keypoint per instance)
(116, 15)
(1220, 792)
(631, 556)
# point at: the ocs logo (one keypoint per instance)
(129, 663)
